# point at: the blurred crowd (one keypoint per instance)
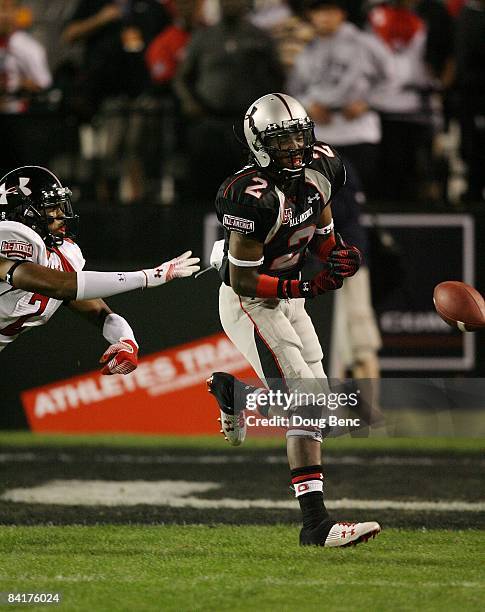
(142, 100)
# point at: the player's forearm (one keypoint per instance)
(245, 285)
(90, 285)
(268, 287)
(323, 241)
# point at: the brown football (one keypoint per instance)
(460, 305)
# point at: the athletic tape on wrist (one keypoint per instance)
(116, 327)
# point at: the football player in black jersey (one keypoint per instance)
(273, 211)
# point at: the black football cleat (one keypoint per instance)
(234, 428)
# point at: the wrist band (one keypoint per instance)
(116, 327)
(325, 231)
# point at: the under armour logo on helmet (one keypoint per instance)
(22, 186)
(23, 181)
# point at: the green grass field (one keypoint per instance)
(197, 567)
(150, 556)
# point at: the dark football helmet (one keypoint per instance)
(279, 133)
(27, 194)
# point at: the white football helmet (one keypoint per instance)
(271, 124)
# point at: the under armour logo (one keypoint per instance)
(23, 181)
(22, 186)
(158, 273)
(121, 277)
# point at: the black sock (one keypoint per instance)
(308, 485)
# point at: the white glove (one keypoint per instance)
(217, 254)
(179, 267)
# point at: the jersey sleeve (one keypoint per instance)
(19, 243)
(248, 206)
(327, 161)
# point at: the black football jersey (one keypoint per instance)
(281, 215)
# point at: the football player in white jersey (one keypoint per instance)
(41, 267)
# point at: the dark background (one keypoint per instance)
(129, 238)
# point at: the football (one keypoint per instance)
(460, 305)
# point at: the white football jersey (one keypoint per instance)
(20, 310)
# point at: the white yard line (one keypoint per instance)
(180, 494)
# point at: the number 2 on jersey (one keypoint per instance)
(289, 260)
(16, 327)
(257, 188)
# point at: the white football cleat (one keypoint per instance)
(340, 534)
(234, 427)
(348, 534)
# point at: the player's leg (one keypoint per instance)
(304, 458)
(273, 348)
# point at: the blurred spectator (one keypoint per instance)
(284, 22)
(335, 77)
(454, 6)
(356, 335)
(226, 67)
(470, 83)
(115, 84)
(419, 35)
(23, 62)
(24, 74)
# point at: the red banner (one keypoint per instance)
(166, 394)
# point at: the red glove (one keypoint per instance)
(325, 281)
(120, 358)
(344, 260)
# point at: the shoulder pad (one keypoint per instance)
(327, 161)
(73, 253)
(250, 187)
(18, 241)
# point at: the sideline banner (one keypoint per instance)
(166, 394)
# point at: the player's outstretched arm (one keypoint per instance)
(59, 285)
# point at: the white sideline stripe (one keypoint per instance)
(30, 457)
(32, 578)
(177, 494)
